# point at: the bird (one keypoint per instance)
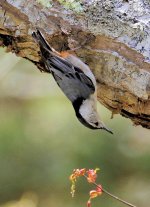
(75, 79)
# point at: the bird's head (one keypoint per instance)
(97, 124)
(87, 114)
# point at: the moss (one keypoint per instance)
(45, 3)
(74, 5)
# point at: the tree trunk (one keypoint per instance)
(114, 36)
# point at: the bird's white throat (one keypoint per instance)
(88, 110)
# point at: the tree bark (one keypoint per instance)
(114, 36)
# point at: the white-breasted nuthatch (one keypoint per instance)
(75, 79)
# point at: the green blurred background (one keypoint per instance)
(41, 142)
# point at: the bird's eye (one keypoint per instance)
(96, 123)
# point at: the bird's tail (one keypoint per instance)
(37, 35)
(46, 50)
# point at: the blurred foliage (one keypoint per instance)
(41, 142)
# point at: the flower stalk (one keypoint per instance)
(91, 176)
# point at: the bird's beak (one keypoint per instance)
(108, 130)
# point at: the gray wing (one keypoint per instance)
(73, 82)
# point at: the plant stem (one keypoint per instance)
(119, 199)
(113, 196)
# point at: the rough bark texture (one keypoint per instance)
(115, 39)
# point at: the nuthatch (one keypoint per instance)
(75, 79)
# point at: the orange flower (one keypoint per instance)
(99, 189)
(76, 173)
(93, 194)
(89, 203)
(73, 177)
(97, 192)
(92, 175)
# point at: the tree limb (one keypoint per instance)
(115, 40)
